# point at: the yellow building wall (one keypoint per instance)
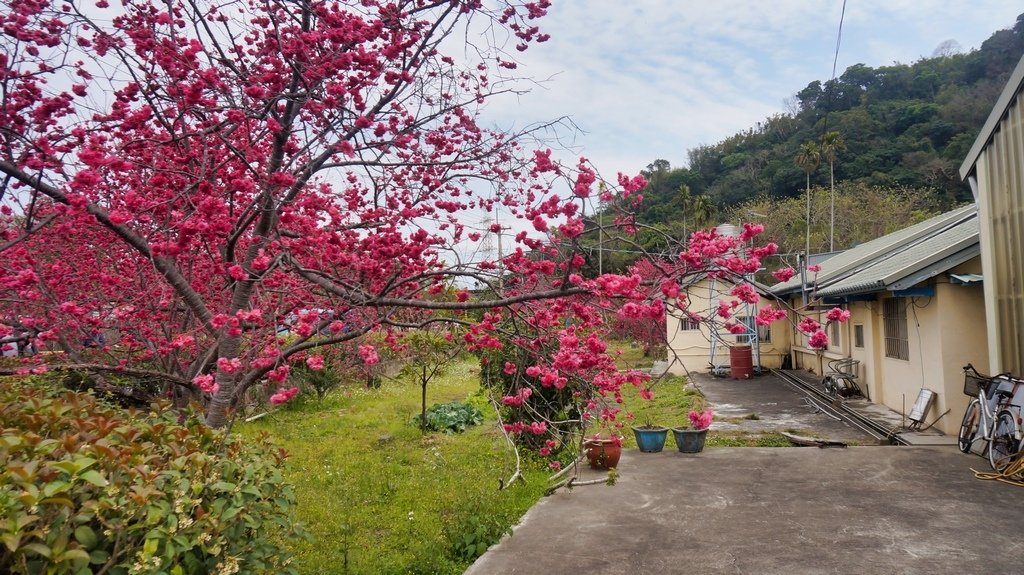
(690, 350)
(945, 332)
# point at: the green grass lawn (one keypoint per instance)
(378, 496)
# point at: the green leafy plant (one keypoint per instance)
(475, 536)
(90, 488)
(321, 381)
(471, 528)
(452, 417)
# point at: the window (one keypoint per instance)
(858, 335)
(833, 336)
(687, 324)
(764, 332)
(894, 318)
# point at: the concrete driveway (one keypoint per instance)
(872, 510)
(801, 510)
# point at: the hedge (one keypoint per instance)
(86, 488)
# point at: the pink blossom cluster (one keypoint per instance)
(818, 340)
(808, 325)
(618, 285)
(548, 446)
(369, 354)
(315, 362)
(701, 419)
(736, 328)
(518, 399)
(784, 274)
(535, 427)
(745, 292)
(838, 314)
(229, 365)
(284, 395)
(206, 383)
(769, 314)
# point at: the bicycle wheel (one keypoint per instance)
(969, 426)
(1003, 446)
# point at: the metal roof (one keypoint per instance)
(1006, 99)
(904, 263)
(856, 260)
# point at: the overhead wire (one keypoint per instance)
(835, 62)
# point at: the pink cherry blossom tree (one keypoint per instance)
(203, 194)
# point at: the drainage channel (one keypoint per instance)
(838, 410)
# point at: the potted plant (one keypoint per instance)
(650, 438)
(691, 439)
(603, 452)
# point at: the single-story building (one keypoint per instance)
(695, 345)
(917, 313)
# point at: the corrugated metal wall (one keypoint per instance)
(1001, 175)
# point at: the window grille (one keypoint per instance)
(687, 324)
(894, 318)
(764, 332)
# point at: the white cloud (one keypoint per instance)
(654, 78)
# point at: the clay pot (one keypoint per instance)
(603, 453)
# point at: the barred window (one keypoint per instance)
(764, 332)
(687, 324)
(894, 317)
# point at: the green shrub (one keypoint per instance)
(321, 381)
(451, 417)
(86, 487)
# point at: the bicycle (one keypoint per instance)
(991, 413)
(842, 378)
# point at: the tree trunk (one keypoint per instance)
(832, 215)
(423, 400)
(807, 234)
(217, 410)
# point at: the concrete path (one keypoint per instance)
(877, 510)
(801, 510)
(776, 407)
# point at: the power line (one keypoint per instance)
(835, 61)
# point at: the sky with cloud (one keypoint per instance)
(652, 79)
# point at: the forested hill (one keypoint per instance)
(902, 125)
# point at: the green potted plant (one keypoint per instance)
(691, 439)
(650, 438)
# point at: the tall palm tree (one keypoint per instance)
(808, 159)
(831, 144)
(684, 200)
(704, 210)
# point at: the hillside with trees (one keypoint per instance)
(900, 130)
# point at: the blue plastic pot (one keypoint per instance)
(650, 440)
(689, 440)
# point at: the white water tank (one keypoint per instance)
(728, 230)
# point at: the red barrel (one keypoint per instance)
(741, 362)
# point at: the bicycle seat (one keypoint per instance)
(1003, 393)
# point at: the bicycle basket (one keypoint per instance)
(974, 383)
